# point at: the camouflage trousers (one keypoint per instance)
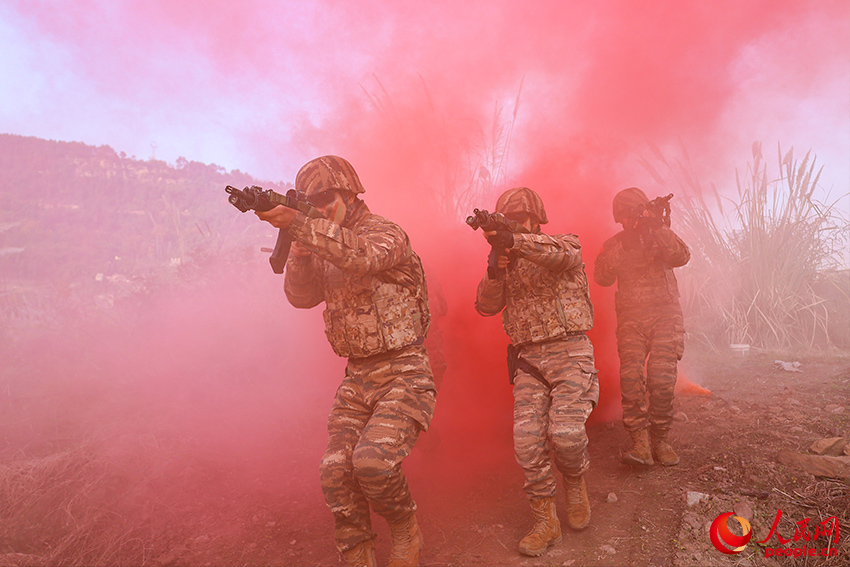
(650, 342)
(379, 409)
(550, 411)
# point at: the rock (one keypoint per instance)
(818, 465)
(695, 498)
(744, 510)
(693, 521)
(608, 549)
(839, 409)
(831, 446)
(788, 366)
(612, 497)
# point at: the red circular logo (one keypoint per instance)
(724, 540)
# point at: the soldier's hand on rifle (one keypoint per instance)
(278, 217)
(500, 239)
(299, 250)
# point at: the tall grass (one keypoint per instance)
(767, 268)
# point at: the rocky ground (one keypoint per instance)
(165, 501)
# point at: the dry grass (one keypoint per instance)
(60, 509)
(767, 267)
(819, 501)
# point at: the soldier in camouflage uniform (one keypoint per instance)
(376, 314)
(650, 329)
(543, 297)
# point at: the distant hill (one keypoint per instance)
(69, 211)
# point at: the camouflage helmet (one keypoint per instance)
(522, 200)
(326, 173)
(627, 202)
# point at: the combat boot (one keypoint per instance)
(578, 505)
(640, 453)
(361, 555)
(546, 531)
(407, 542)
(663, 451)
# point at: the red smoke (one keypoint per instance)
(406, 92)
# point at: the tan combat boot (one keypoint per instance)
(546, 530)
(361, 555)
(578, 505)
(663, 451)
(639, 454)
(407, 542)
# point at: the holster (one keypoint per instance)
(516, 363)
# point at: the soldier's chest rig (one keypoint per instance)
(643, 278)
(372, 314)
(542, 305)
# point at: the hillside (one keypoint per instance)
(71, 210)
(82, 224)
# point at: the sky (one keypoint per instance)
(263, 86)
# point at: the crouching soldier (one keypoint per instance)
(376, 314)
(541, 290)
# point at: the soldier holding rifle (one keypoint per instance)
(538, 283)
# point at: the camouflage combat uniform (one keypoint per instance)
(377, 316)
(546, 310)
(650, 329)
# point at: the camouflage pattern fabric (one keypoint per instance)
(522, 200)
(650, 343)
(377, 315)
(326, 173)
(650, 328)
(545, 309)
(377, 414)
(549, 414)
(628, 202)
(544, 293)
(369, 277)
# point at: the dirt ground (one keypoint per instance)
(165, 503)
(728, 443)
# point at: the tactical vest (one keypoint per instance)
(372, 314)
(643, 278)
(542, 305)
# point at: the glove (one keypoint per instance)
(501, 240)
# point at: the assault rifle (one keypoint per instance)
(493, 222)
(659, 209)
(256, 198)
